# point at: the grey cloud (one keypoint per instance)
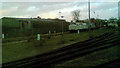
(46, 7)
(107, 5)
(42, 7)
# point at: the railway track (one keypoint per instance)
(68, 52)
(111, 64)
(69, 55)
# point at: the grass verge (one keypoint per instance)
(20, 50)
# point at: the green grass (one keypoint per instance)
(20, 50)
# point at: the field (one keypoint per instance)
(12, 51)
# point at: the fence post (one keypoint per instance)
(78, 32)
(49, 32)
(38, 36)
(3, 36)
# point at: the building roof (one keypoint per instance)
(34, 19)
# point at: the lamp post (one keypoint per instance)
(62, 38)
(62, 22)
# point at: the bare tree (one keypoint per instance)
(76, 15)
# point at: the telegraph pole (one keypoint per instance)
(90, 36)
(62, 24)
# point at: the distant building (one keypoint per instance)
(119, 9)
(18, 27)
(25, 24)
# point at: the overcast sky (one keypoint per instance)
(102, 10)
